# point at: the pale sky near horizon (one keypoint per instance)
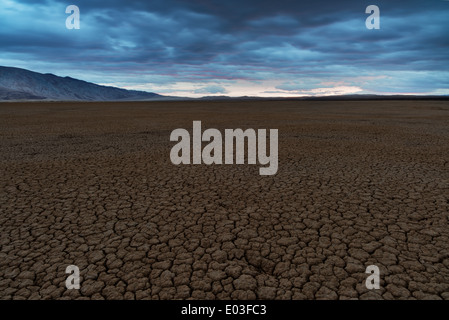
(248, 47)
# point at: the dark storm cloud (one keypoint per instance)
(211, 41)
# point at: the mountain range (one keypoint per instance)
(21, 84)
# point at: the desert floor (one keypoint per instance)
(91, 184)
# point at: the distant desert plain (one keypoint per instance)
(359, 183)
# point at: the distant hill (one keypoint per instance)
(21, 84)
(348, 97)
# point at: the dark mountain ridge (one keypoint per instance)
(21, 84)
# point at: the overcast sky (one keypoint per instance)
(227, 47)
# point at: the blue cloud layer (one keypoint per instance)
(284, 47)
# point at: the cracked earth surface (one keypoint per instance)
(92, 185)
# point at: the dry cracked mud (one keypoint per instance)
(91, 184)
